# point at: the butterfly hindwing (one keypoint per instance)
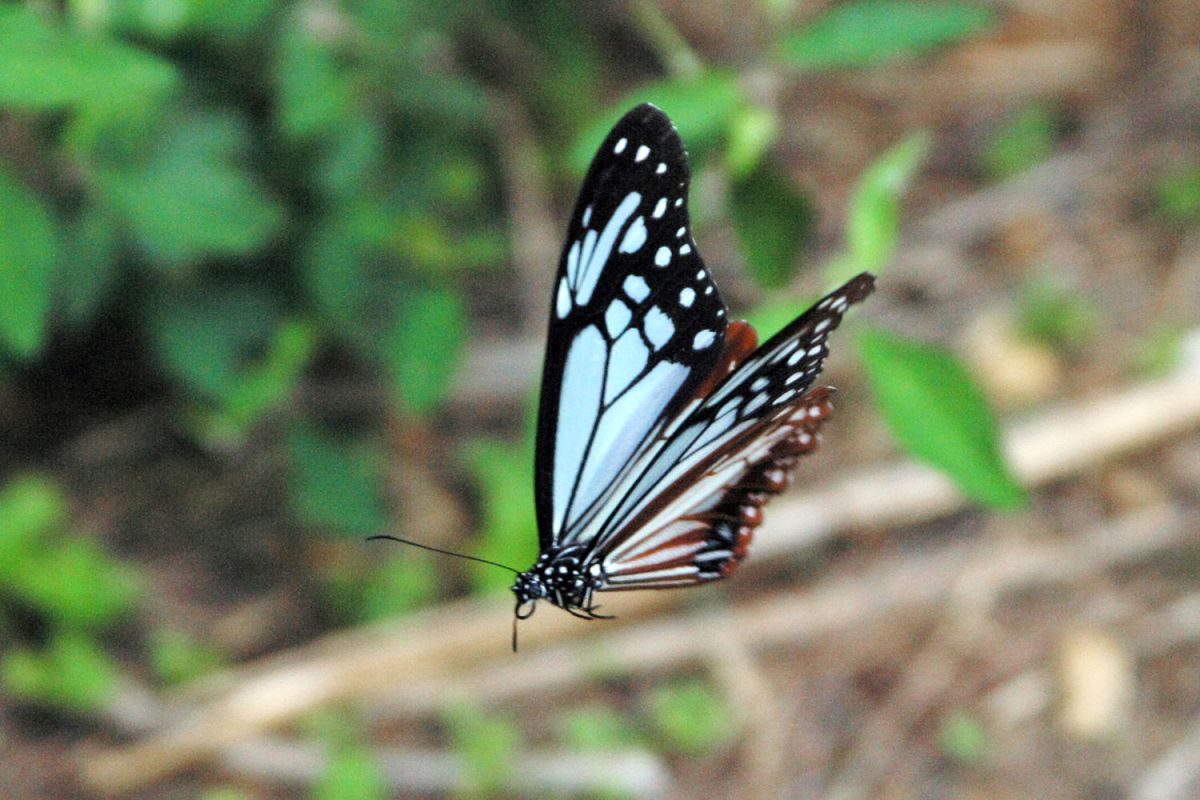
(636, 323)
(691, 512)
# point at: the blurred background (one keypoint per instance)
(275, 278)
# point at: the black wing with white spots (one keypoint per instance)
(636, 323)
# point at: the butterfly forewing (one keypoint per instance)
(636, 324)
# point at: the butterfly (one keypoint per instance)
(663, 428)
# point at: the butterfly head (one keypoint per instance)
(561, 577)
(528, 588)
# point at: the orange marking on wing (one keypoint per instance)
(740, 341)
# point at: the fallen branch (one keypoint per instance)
(621, 773)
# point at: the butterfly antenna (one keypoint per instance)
(515, 633)
(445, 552)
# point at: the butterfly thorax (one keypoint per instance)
(563, 577)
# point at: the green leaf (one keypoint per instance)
(31, 507)
(351, 774)
(773, 220)
(870, 32)
(690, 717)
(315, 89)
(190, 196)
(751, 134)
(270, 382)
(939, 415)
(72, 672)
(1024, 141)
(90, 269)
(487, 747)
(423, 349)
(45, 66)
(74, 582)
(701, 108)
(206, 335)
(29, 256)
(335, 482)
(873, 224)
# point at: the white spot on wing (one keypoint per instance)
(562, 301)
(755, 404)
(628, 359)
(616, 317)
(660, 208)
(703, 339)
(587, 216)
(687, 295)
(658, 327)
(642, 152)
(620, 148)
(573, 263)
(684, 249)
(661, 168)
(635, 237)
(636, 287)
(662, 256)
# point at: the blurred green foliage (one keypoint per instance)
(351, 771)
(1161, 349)
(28, 254)
(688, 716)
(178, 658)
(334, 481)
(487, 746)
(351, 774)
(961, 737)
(1054, 314)
(773, 221)
(1177, 196)
(70, 671)
(596, 727)
(870, 32)
(1026, 139)
(70, 585)
(389, 586)
(503, 472)
(873, 219)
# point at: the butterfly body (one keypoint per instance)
(663, 429)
